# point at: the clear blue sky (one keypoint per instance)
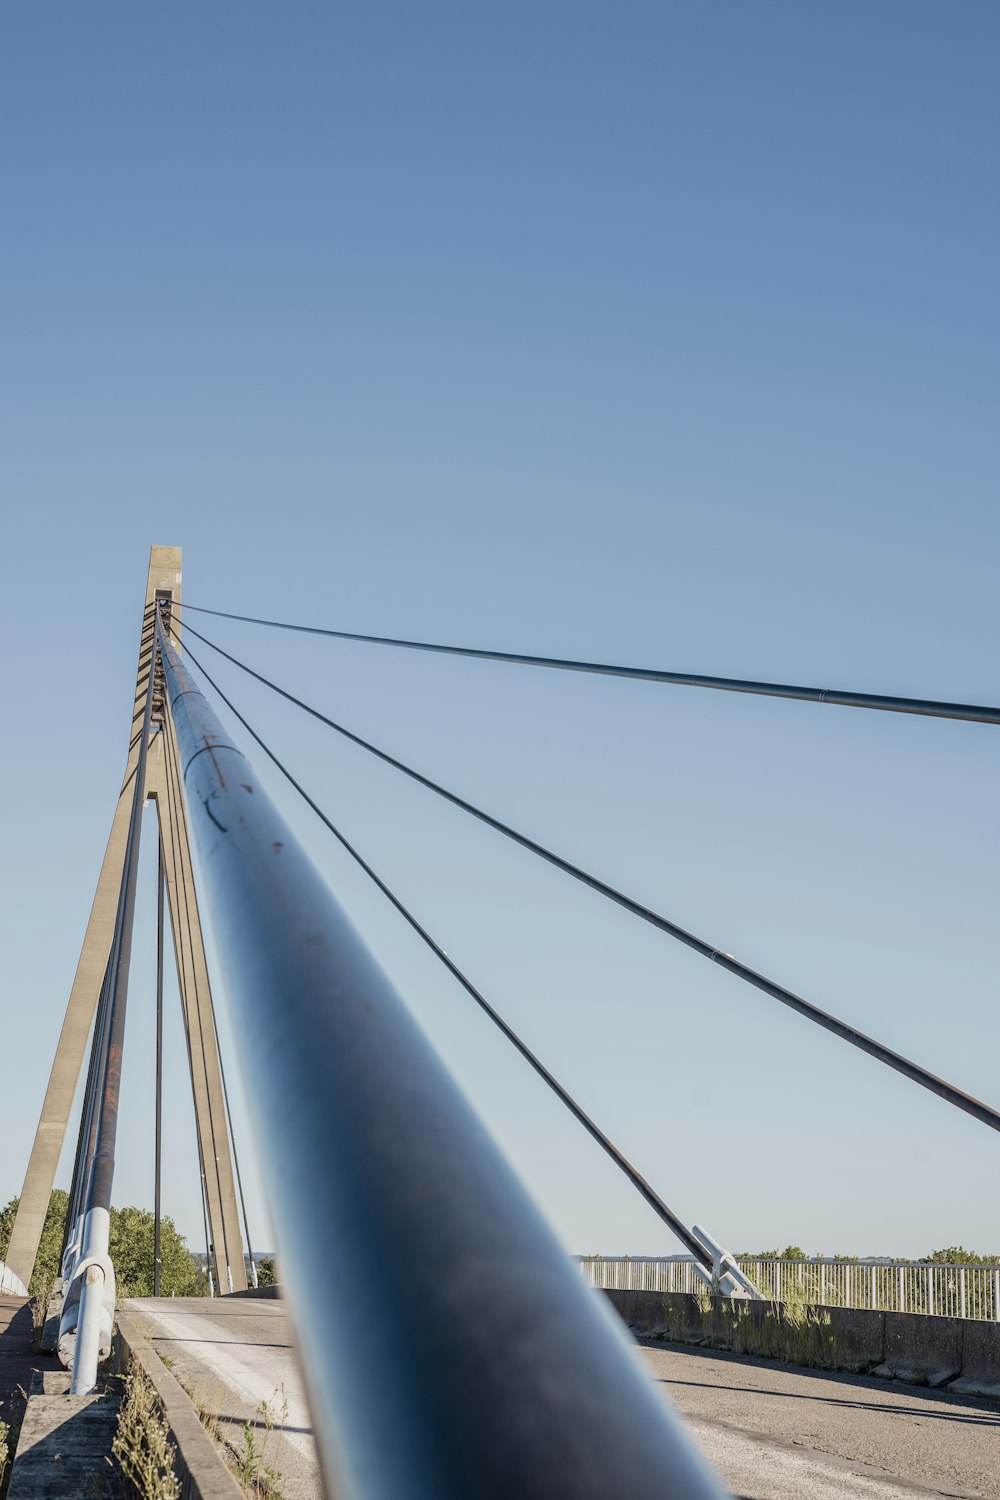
(661, 333)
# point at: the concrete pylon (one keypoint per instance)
(163, 582)
(163, 782)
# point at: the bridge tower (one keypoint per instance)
(163, 786)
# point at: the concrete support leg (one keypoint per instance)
(163, 582)
(71, 1048)
(163, 780)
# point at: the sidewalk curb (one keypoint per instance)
(199, 1464)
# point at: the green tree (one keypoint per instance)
(790, 1252)
(49, 1256)
(957, 1255)
(267, 1274)
(130, 1245)
(131, 1249)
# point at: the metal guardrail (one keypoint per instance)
(636, 1273)
(942, 1290)
(11, 1284)
(448, 1347)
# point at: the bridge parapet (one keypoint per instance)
(962, 1354)
(925, 1287)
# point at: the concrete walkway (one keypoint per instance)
(18, 1360)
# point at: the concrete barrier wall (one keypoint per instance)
(199, 1464)
(959, 1353)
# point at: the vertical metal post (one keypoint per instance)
(160, 883)
(961, 1291)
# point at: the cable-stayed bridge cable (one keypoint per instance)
(985, 1113)
(886, 703)
(637, 1180)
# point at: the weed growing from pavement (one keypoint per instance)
(9, 1434)
(255, 1468)
(6, 1448)
(255, 1456)
(208, 1404)
(141, 1443)
(674, 1317)
(706, 1307)
(40, 1311)
(794, 1331)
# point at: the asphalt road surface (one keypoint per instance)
(772, 1432)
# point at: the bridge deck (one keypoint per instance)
(773, 1432)
(780, 1433)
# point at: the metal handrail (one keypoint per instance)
(449, 1348)
(954, 1289)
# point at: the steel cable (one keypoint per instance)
(637, 1180)
(985, 1113)
(886, 703)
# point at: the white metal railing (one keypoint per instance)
(953, 1291)
(10, 1283)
